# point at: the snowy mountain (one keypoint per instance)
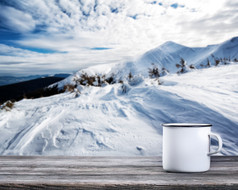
(167, 56)
(6, 80)
(123, 116)
(170, 53)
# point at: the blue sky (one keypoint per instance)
(55, 36)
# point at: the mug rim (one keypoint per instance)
(186, 125)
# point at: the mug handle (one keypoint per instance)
(219, 143)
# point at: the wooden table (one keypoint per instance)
(57, 172)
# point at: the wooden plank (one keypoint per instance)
(23, 172)
(224, 158)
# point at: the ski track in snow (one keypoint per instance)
(72, 127)
(104, 121)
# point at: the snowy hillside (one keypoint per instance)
(170, 53)
(167, 56)
(125, 118)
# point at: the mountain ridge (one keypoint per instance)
(169, 54)
(165, 57)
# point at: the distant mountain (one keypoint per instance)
(61, 75)
(5, 80)
(17, 91)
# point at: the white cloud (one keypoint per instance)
(24, 62)
(129, 27)
(16, 20)
(12, 51)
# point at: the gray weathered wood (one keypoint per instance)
(52, 172)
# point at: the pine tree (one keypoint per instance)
(217, 62)
(154, 72)
(208, 63)
(130, 76)
(182, 65)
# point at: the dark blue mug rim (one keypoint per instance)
(186, 125)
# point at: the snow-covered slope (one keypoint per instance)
(167, 56)
(170, 53)
(107, 121)
(103, 121)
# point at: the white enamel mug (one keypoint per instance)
(186, 147)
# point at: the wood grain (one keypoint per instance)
(62, 172)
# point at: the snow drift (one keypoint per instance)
(125, 118)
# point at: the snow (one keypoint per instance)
(215, 92)
(105, 121)
(170, 53)
(92, 124)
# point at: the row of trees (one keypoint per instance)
(183, 67)
(154, 73)
(94, 80)
(218, 61)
